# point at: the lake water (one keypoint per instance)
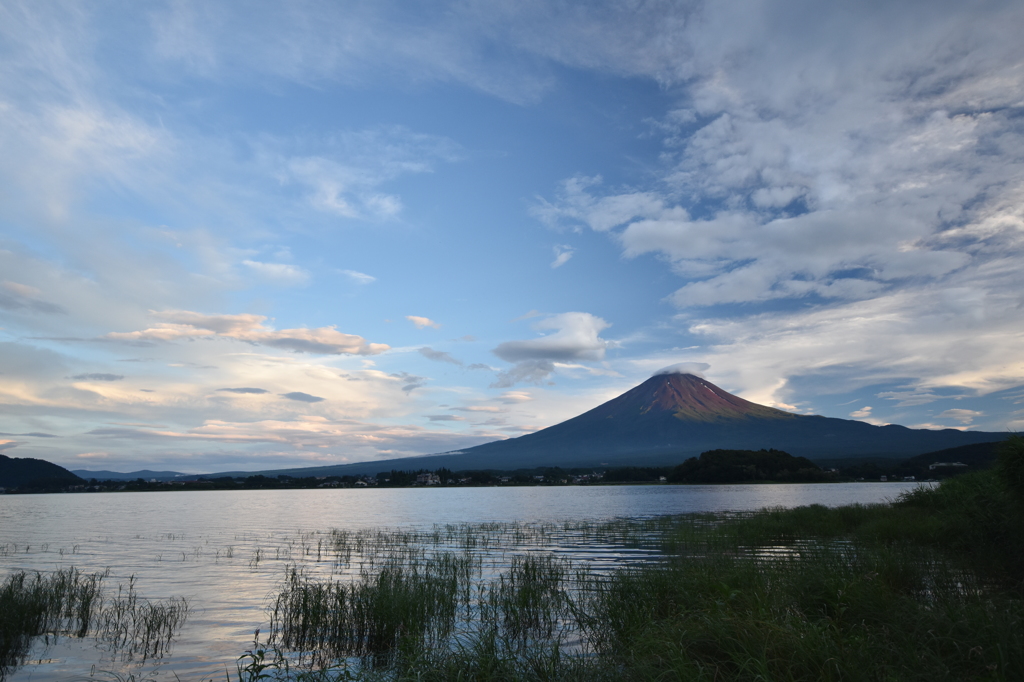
(226, 552)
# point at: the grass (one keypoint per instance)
(67, 602)
(63, 602)
(927, 588)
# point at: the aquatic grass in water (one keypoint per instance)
(62, 603)
(856, 593)
(70, 603)
(135, 627)
(400, 607)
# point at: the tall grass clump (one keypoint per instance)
(63, 602)
(136, 627)
(398, 610)
(529, 600)
(71, 603)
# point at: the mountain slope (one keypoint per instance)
(673, 416)
(16, 471)
(667, 419)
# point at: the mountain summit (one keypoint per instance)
(688, 398)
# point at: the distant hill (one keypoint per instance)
(16, 472)
(668, 419)
(973, 457)
(742, 466)
(145, 474)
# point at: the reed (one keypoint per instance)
(925, 588)
(68, 602)
(399, 608)
(63, 602)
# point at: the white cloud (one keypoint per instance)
(345, 174)
(695, 368)
(279, 273)
(515, 397)
(423, 322)
(562, 255)
(862, 413)
(960, 415)
(359, 277)
(478, 408)
(576, 336)
(842, 200)
(186, 324)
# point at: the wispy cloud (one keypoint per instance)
(439, 356)
(281, 273)
(98, 376)
(302, 397)
(423, 322)
(359, 277)
(185, 324)
(562, 255)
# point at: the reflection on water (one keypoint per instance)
(226, 552)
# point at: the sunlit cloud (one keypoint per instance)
(423, 322)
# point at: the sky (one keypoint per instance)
(279, 234)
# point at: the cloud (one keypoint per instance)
(575, 337)
(410, 381)
(862, 413)
(920, 330)
(33, 434)
(960, 415)
(279, 273)
(184, 324)
(246, 390)
(910, 398)
(445, 418)
(530, 371)
(97, 377)
(359, 277)
(562, 255)
(515, 397)
(694, 368)
(302, 397)
(478, 408)
(439, 356)
(422, 322)
(849, 170)
(14, 297)
(343, 174)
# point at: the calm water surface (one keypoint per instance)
(226, 551)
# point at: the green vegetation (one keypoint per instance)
(739, 466)
(927, 588)
(69, 603)
(63, 602)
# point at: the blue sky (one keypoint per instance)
(255, 235)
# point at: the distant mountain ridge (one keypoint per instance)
(667, 419)
(146, 474)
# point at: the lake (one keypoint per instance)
(227, 551)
